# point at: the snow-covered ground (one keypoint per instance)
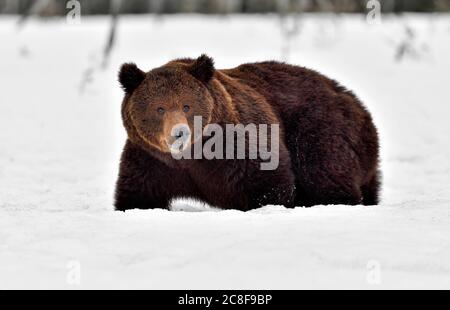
(61, 138)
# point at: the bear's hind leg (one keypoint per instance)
(371, 191)
(327, 173)
(328, 195)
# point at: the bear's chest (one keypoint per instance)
(216, 179)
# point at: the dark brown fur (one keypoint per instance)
(328, 149)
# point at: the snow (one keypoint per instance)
(61, 139)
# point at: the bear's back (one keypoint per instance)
(286, 86)
(312, 106)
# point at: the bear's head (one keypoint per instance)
(160, 106)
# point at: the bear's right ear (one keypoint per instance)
(130, 77)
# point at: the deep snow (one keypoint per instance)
(61, 139)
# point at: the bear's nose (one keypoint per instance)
(181, 131)
(179, 138)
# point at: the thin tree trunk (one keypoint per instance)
(35, 8)
(115, 6)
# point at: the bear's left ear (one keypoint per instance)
(203, 68)
(130, 77)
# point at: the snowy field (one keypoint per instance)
(61, 138)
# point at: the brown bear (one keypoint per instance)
(328, 149)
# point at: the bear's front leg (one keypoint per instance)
(272, 187)
(128, 200)
(143, 181)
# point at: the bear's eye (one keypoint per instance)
(161, 110)
(186, 108)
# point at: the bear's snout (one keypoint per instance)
(179, 138)
(177, 133)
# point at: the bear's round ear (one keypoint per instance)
(130, 77)
(203, 68)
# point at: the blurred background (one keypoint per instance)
(58, 7)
